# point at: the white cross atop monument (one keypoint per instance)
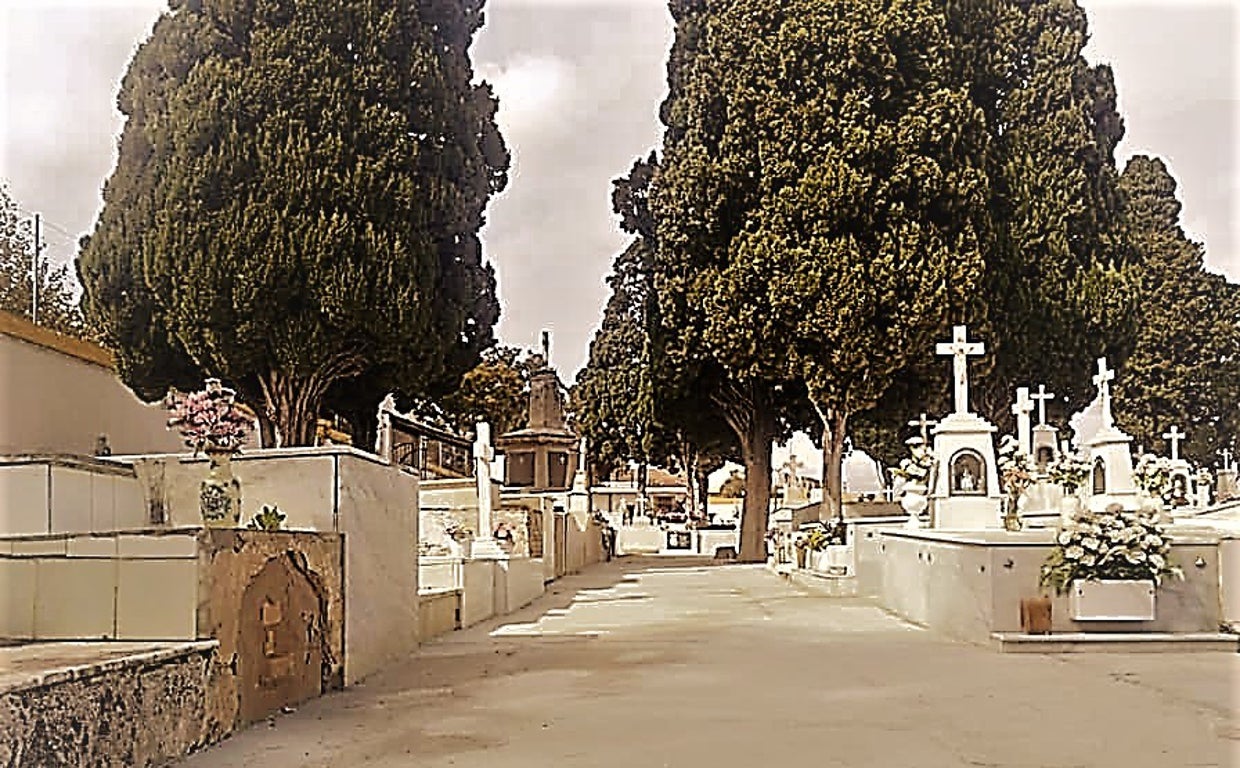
(1226, 454)
(1041, 397)
(485, 546)
(960, 348)
(1022, 409)
(1175, 436)
(924, 425)
(1103, 382)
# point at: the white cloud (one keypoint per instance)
(529, 88)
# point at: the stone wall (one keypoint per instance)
(438, 613)
(275, 602)
(143, 710)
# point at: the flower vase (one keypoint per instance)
(219, 496)
(914, 502)
(1011, 514)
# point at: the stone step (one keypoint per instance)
(1116, 642)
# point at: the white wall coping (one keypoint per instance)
(1043, 537)
(255, 454)
(103, 466)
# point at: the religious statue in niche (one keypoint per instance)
(1100, 477)
(968, 476)
(1045, 456)
(1179, 491)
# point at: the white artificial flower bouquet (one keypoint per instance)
(1109, 545)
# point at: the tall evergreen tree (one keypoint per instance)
(296, 204)
(1185, 370)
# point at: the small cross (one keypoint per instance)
(792, 465)
(960, 348)
(1103, 382)
(1175, 436)
(1042, 396)
(1226, 454)
(925, 424)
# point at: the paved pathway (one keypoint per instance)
(648, 662)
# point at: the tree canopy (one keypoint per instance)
(296, 204)
(57, 306)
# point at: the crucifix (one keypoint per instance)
(1103, 382)
(1226, 454)
(960, 349)
(1042, 396)
(1175, 436)
(484, 454)
(1022, 409)
(924, 424)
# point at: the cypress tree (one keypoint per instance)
(296, 203)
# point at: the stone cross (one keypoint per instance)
(1175, 436)
(1022, 409)
(1042, 396)
(1226, 454)
(960, 349)
(924, 424)
(483, 455)
(1103, 382)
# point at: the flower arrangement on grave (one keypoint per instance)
(1204, 477)
(1153, 475)
(1110, 545)
(457, 532)
(1016, 470)
(1069, 470)
(916, 468)
(210, 420)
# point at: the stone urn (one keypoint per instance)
(914, 502)
(219, 496)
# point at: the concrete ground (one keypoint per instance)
(655, 662)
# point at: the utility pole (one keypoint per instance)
(34, 273)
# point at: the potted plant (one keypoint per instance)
(211, 422)
(1070, 471)
(1016, 473)
(917, 471)
(1110, 563)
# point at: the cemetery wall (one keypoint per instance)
(437, 613)
(970, 585)
(334, 489)
(143, 710)
(88, 400)
(1229, 580)
(523, 583)
(68, 495)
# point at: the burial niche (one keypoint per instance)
(1100, 476)
(968, 476)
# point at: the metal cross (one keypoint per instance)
(1042, 396)
(1175, 436)
(960, 348)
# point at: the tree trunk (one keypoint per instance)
(834, 427)
(703, 492)
(756, 450)
(266, 431)
(295, 404)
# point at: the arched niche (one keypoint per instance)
(1100, 476)
(968, 474)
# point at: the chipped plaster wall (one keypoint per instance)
(146, 711)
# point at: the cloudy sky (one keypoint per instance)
(579, 83)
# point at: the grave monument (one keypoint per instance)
(1109, 451)
(965, 495)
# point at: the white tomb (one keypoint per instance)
(1110, 452)
(965, 494)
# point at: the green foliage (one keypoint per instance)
(269, 518)
(495, 391)
(57, 308)
(296, 204)
(1185, 369)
